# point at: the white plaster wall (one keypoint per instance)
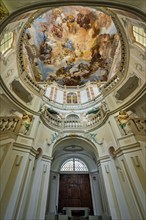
(7, 108)
(10, 73)
(47, 92)
(59, 96)
(11, 187)
(96, 196)
(53, 193)
(84, 97)
(110, 196)
(25, 189)
(96, 90)
(38, 194)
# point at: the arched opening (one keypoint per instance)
(74, 179)
(74, 188)
(72, 117)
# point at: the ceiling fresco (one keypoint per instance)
(71, 45)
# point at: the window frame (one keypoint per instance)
(72, 98)
(6, 42)
(136, 34)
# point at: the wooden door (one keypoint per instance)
(74, 191)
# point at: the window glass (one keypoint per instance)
(140, 35)
(6, 42)
(74, 164)
(71, 98)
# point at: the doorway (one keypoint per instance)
(75, 191)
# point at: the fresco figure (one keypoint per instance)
(83, 21)
(45, 52)
(71, 23)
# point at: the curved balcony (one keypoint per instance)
(137, 125)
(74, 124)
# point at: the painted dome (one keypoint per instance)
(72, 45)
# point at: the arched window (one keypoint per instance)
(140, 35)
(6, 42)
(72, 117)
(71, 97)
(74, 164)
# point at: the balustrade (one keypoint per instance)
(73, 123)
(9, 124)
(52, 120)
(111, 83)
(39, 90)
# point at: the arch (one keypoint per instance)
(72, 117)
(73, 146)
(77, 147)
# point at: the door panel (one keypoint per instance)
(74, 191)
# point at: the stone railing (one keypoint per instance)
(78, 124)
(30, 83)
(138, 126)
(72, 124)
(97, 119)
(38, 90)
(51, 120)
(9, 124)
(111, 83)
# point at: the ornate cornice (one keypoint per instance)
(128, 149)
(29, 149)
